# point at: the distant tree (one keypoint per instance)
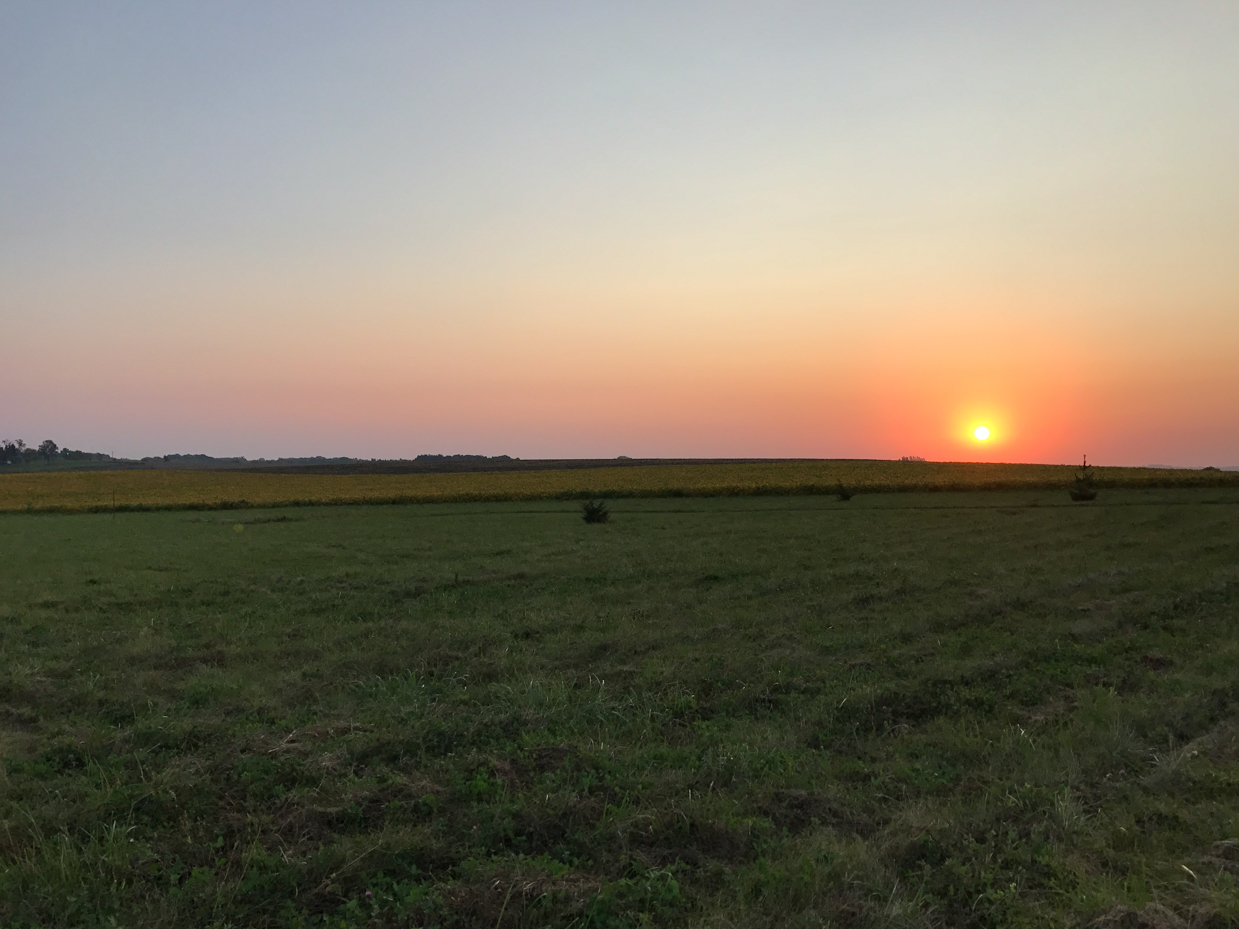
(17, 452)
(1083, 489)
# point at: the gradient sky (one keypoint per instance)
(655, 229)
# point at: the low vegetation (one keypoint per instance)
(595, 511)
(88, 491)
(911, 710)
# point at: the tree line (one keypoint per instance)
(17, 452)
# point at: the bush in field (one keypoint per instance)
(595, 511)
(1083, 488)
(842, 492)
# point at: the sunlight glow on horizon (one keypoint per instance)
(566, 231)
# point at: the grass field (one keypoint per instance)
(983, 709)
(101, 491)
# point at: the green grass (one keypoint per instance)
(988, 709)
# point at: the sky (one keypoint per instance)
(655, 229)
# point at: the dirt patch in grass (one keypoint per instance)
(1155, 661)
(799, 810)
(1150, 916)
(506, 900)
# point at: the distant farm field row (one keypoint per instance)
(134, 490)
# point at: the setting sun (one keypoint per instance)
(981, 433)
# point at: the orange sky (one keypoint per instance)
(559, 231)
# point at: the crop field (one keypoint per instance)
(984, 709)
(96, 491)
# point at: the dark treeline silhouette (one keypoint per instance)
(465, 458)
(17, 452)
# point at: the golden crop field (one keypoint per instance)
(83, 491)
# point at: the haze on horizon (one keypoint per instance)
(651, 229)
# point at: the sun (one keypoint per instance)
(981, 433)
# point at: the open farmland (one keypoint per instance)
(87, 491)
(917, 710)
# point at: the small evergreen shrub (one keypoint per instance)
(595, 511)
(1083, 488)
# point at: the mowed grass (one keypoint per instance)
(987, 709)
(96, 491)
